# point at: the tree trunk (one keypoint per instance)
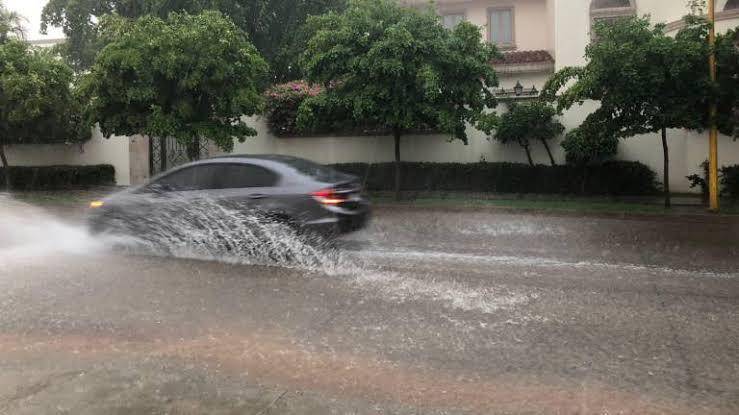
(6, 168)
(666, 179)
(528, 154)
(549, 152)
(193, 149)
(396, 135)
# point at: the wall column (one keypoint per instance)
(138, 159)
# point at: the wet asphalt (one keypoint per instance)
(425, 312)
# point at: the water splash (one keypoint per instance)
(208, 229)
(26, 230)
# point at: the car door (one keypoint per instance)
(172, 193)
(244, 185)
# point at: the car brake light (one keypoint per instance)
(328, 197)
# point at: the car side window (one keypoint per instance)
(190, 178)
(238, 176)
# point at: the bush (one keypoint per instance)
(609, 178)
(283, 102)
(730, 181)
(60, 177)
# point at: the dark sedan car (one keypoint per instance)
(300, 192)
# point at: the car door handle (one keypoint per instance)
(257, 196)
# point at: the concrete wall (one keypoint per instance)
(98, 150)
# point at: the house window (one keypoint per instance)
(500, 26)
(450, 21)
(609, 11)
(731, 5)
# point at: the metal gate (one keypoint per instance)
(165, 153)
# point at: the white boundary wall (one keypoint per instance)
(98, 150)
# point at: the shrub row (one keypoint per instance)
(59, 177)
(730, 181)
(609, 178)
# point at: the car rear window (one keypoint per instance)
(316, 171)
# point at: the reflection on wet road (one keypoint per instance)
(424, 312)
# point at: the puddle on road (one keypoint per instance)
(206, 230)
(537, 262)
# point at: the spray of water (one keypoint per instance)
(209, 229)
(27, 230)
(206, 229)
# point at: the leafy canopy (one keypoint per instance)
(525, 122)
(11, 24)
(273, 26)
(398, 69)
(643, 79)
(37, 102)
(588, 144)
(727, 83)
(189, 76)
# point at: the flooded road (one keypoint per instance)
(427, 311)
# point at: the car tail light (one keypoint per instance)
(329, 197)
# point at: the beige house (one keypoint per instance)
(537, 38)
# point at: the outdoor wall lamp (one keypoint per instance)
(518, 89)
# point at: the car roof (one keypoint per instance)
(287, 166)
(268, 157)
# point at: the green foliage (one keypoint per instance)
(61, 177)
(190, 76)
(528, 122)
(727, 87)
(589, 145)
(11, 24)
(273, 26)
(37, 102)
(398, 69)
(643, 79)
(34, 92)
(700, 181)
(282, 103)
(609, 178)
(648, 82)
(730, 181)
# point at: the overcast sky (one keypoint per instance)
(31, 10)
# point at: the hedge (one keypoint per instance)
(730, 181)
(610, 178)
(59, 177)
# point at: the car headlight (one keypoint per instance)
(96, 204)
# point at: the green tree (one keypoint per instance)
(37, 102)
(526, 122)
(398, 69)
(189, 77)
(11, 24)
(644, 80)
(273, 26)
(727, 82)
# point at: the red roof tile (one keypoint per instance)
(523, 57)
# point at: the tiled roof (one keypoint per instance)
(524, 57)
